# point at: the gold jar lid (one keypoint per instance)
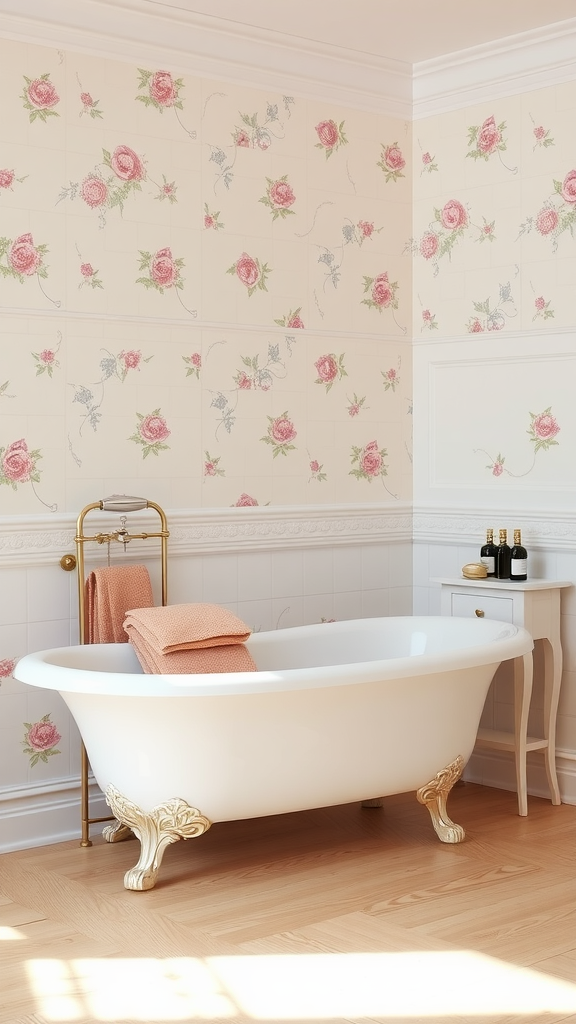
(474, 571)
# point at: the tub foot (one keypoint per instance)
(434, 796)
(165, 824)
(117, 833)
(376, 802)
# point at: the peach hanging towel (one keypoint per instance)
(109, 593)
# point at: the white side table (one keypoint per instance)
(535, 605)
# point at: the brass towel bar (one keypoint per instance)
(122, 503)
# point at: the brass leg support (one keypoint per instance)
(434, 796)
(165, 824)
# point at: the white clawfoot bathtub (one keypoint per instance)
(336, 712)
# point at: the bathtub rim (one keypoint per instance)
(51, 668)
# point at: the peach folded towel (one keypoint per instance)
(109, 593)
(228, 658)
(187, 627)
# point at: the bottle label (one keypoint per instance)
(519, 567)
(488, 561)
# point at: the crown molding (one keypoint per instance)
(483, 74)
(143, 31)
(42, 540)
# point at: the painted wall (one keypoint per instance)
(205, 300)
(495, 354)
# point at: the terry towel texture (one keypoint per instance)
(189, 639)
(229, 658)
(109, 593)
(185, 627)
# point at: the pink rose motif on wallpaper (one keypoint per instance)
(22, 259)
(279, 197)
(293, 320)
(166, 191)
(317, 471)
(89, 106)
(281, 432)
(116, 178)
(8, 177)
(151, 432)
(357, 233)
(486, 139)
(368, 462)
(18, 464)
(428, 321)
(89, 277)
(542, 432)
(46, 361)
(493, 316)
(160, 90)
(542, 309)
(7, 666)
(120, 365)
(428, 164)
(449, 227)
(211, 466)
(355, 404)
(391, 379)
(211, 218)
(392, 162)
(382, 292)
(330, 136)
(163, 271)
(330, 368)
(558, 213)
(193, 365)
(260, 378)
(39, 98)
(245, 501)
(40, 740)
(542, 136)
(250, 272)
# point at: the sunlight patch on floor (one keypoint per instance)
(10, 933)
(293, 987)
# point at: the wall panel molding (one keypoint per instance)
(541, 530)
(42, 540)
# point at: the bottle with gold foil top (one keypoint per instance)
(488, 553)
(503, 557)
(518, 559)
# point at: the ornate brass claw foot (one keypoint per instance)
(165, 824)
(434, 796)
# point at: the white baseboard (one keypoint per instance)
(496, 769)
(43, 815)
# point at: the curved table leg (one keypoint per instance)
(435, 794)
(552, 680)
(164, 824)
(523, 675)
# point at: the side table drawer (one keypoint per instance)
(500, 608)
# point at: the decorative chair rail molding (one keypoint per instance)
(541, 530)
(42, 540)
(201, 45)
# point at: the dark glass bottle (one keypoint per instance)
(503, 557)
(488, 553)
(518, 559)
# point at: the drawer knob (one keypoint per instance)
(479, 613)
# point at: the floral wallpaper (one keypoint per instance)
(203, 288)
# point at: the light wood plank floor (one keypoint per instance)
(340, 914)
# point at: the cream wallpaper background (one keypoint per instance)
(219, 296)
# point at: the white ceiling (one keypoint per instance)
(406, 30)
